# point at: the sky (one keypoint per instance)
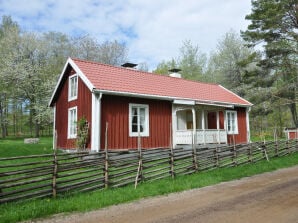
(153, 30)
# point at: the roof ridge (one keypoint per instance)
(144, 72)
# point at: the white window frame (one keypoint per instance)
(72, 123)
(146, 124)
(71, 89)
(235, 121)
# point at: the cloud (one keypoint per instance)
(153, 30)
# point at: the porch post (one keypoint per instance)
(217, 127)
(194, 125)
(203, 125)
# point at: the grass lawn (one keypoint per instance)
(19, 211)
(15, 147)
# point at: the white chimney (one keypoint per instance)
(174, 73)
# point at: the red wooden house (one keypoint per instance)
(131, 103)
(291, 133)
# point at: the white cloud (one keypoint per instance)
(153, 30)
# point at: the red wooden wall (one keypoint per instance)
(115, 112)
(83, 103)
(293, 134)
(241, 137)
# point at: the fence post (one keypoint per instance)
(250, 152)
(140, 167)
(265, 151)
(54, 182)
(194, 154)
(172, 173)
(287, 146)
(216, 157)
(235, 155)
(276, 148)
(106, 168)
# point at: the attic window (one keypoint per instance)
(73, 87)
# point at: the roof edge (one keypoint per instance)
(248, 103)
(78, 71)
(168, 98)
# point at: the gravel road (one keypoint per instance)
(270, 197)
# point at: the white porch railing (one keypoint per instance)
(202, 137)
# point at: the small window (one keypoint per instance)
(138, 120)
(72, 123)
(73, 87)
(232, 123)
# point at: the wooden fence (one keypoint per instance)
(52, 175)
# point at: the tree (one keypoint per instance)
(190, 60)
(112, 52)
(109, 52)
(274, 24)
(9, 37)
(227, 64)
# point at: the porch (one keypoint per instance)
(199, 124)
(202, 136)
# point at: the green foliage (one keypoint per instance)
(191, 62)
(82, 133)
(274, 24)
(20, 211)
(231, 61)
(29, 69)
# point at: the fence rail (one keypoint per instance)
(51, 175)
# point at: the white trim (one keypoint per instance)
(81, 75)
(96, 122)
(54, 126)
(247, 124)
(71, 98)
(69, 125)
(174, 125)
(249, 104)
(235, 120)
(146, 124)
(78, 72)
(194, 127)
(183, 102)
(168, 98)
(203, 125)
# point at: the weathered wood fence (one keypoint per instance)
(51, 175)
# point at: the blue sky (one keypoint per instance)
(153, 30)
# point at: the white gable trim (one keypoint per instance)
(78, 72)
(249, 104)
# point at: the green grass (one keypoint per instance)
(14, 212)
(15, 147)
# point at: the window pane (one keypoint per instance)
(134, 121)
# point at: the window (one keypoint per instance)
(232, 124)
(72, 123)
(73, 87)
(138, 120)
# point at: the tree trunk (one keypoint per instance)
(2, 117)
(294, 114)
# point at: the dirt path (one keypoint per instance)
(270, 197)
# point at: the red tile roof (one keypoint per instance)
(110, 78)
